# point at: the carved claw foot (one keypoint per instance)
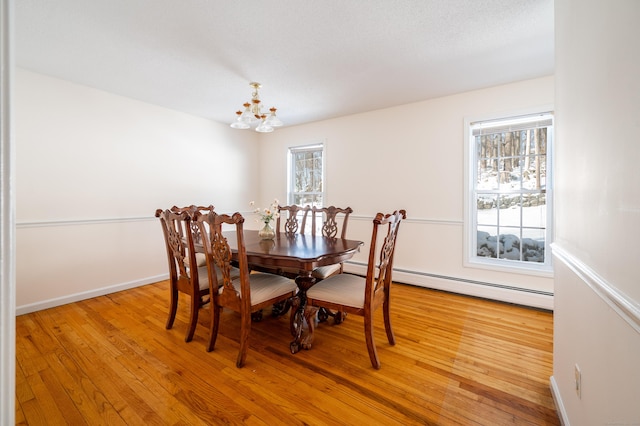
(307, 342)
(256, 316)
(339, 317)
(280, 308)
(323, 315)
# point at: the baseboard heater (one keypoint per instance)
(502, 292)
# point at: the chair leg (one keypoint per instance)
(214, 325)
(387, 323)
(245, 330)
(173, 306)
(371, 344)
(193, 318)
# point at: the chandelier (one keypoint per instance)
(253, 113)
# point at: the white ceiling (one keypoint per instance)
(315, 59)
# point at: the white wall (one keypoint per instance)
(597, 306)
(411, 157)
(92, 168)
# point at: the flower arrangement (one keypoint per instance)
(267, 214)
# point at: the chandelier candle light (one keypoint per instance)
(253, 113)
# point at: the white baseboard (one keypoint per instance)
(509, 294)
(38, 306)
(557, 399)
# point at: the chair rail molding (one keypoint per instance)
(413, 220)
(623, 305)
(92, 221)
(76, 222)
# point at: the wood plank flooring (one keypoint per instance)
(457, 361)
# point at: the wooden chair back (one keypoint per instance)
(218, 252)
(294, 221)
(180, 255)
(380, 266)
(191, 211)
(329, 217)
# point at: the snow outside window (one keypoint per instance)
(509, 192)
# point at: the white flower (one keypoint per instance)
(268, 213)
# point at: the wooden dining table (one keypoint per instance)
(295, 252)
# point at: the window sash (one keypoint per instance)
(515, 124)
(528, 230)
(315, 175)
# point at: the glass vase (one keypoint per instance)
(267, 232)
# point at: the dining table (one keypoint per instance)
(301, 253)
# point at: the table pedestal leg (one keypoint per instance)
(304, 282)
(310, 317)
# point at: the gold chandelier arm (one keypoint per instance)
(254, 109)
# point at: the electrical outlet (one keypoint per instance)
(578, 377)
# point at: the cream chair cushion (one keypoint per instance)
(343, 289)
(201, 260)
(266, 286)
(324, 272)
(203, 276)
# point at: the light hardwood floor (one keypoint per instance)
(457, 361)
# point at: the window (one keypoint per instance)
(509, 191)
(306, 175)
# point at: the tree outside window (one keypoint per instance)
(306, 175)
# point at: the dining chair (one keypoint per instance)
(330, 226)
(295, 219)
(363, 295)
(250, 292)
(192, 281)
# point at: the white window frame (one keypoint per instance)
(471, 259)
(290, 169)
